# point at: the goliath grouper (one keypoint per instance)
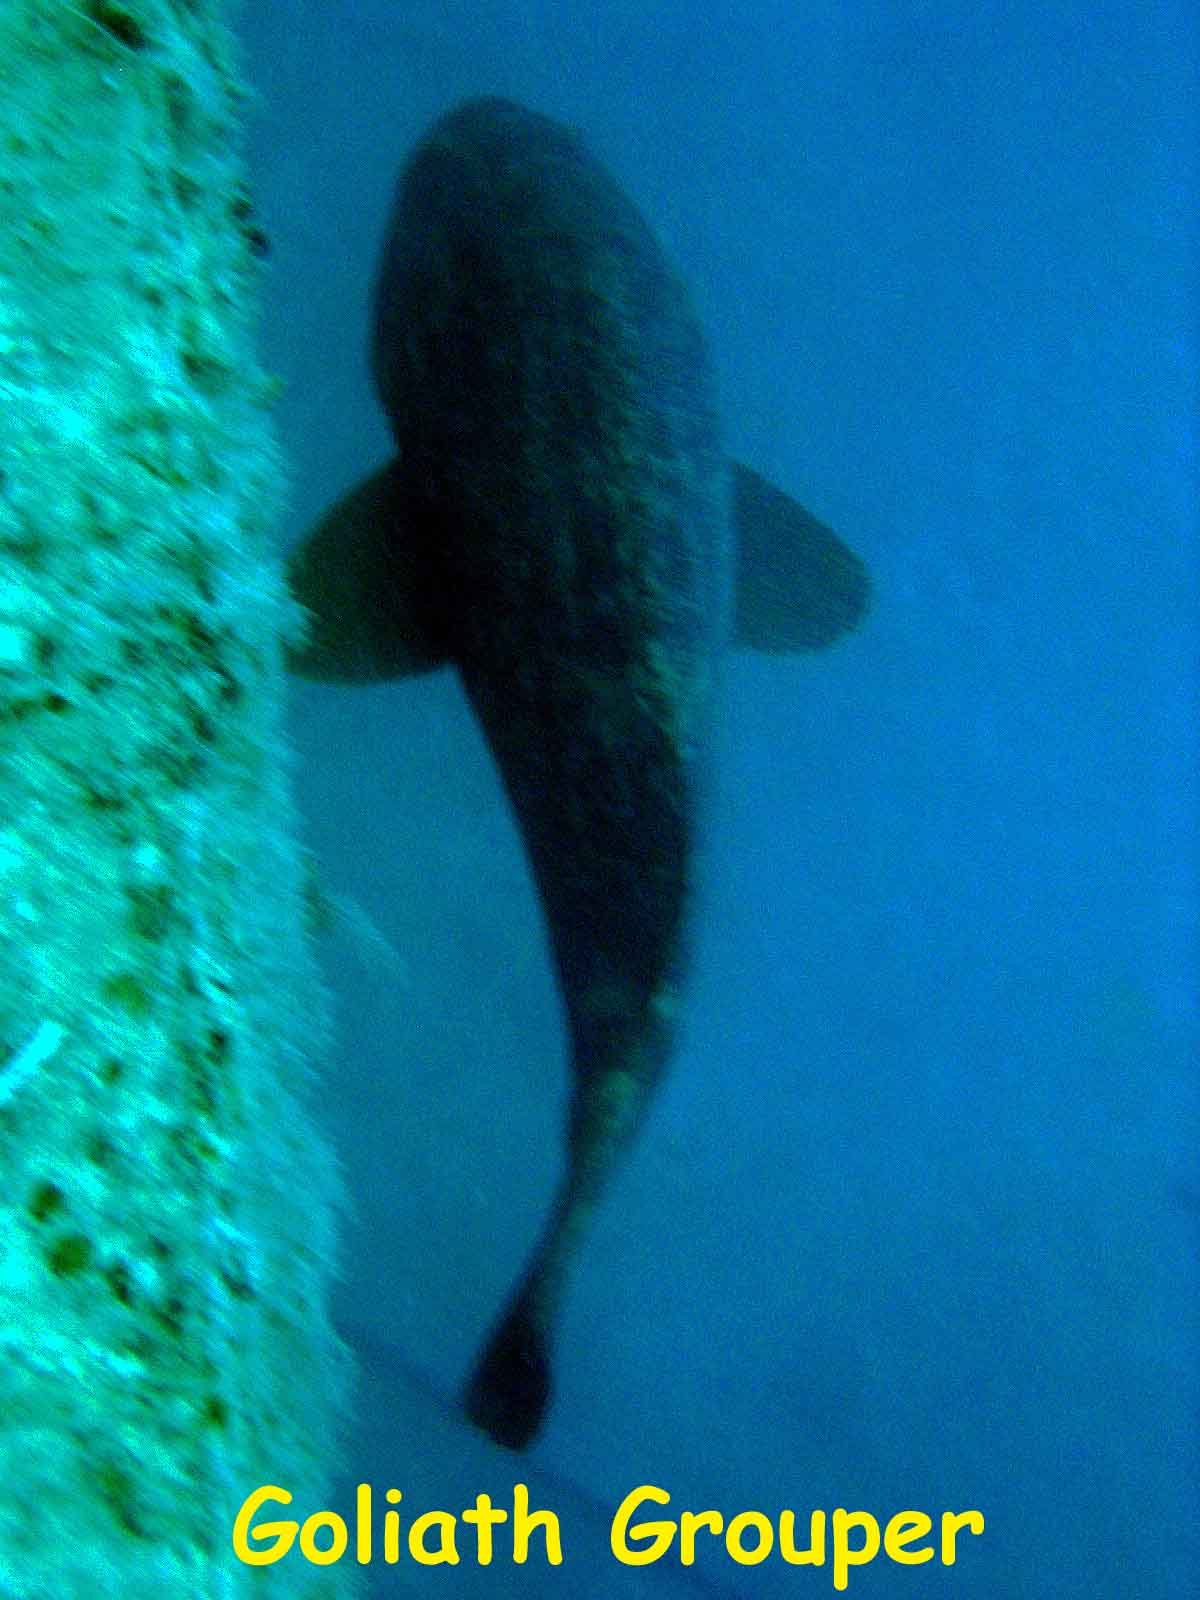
(560, 523)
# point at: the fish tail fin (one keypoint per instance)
(510, 1389)
(509, 1392)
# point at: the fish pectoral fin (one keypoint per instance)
(798, 586)
(357, 578)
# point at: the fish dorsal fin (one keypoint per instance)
(798, 586)
(358, 578)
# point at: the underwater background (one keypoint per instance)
(914, 1222)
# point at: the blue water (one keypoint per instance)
(914, 1223)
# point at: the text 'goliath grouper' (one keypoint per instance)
(560, 522)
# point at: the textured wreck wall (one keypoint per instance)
(165, 1206)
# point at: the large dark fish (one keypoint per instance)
(561, 523)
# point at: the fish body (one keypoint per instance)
(562, 524)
